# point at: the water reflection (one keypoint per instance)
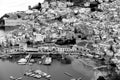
(10, 67)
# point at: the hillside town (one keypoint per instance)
(90, 29)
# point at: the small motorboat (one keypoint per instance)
(48, 76)
(44, 74)
(37, 76)
(73, 79)
(19, 78)
(38, 72)
(12, 78)
(28, 73)
(32, 75)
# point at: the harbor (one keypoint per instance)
(61, 40)
(55, 71)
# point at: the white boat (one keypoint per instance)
(12, 78)
(48, 76)
(32, 75)
(22, 60)
(73, 79)
(19, 78)
(38, 71)
(28, 73)
(48, 60)
(37, 76)
(32, 60)
(44, 74)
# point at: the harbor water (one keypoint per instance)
(56, 70)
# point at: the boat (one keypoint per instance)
(12, 78)
(73, 79)
(32, 75)
(20, 78)
(38, 71)
(44, 74)
(28, 73)
(48, 76)
(32, 60)
(22, 61)
(37, 76)
(47, 61)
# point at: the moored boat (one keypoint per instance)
(37, 76)
(32, 75)
(44, 74)
(28, 73)
(47, 61)
(13, 78)
(22, 61)
(48, 76)
(38, 71)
